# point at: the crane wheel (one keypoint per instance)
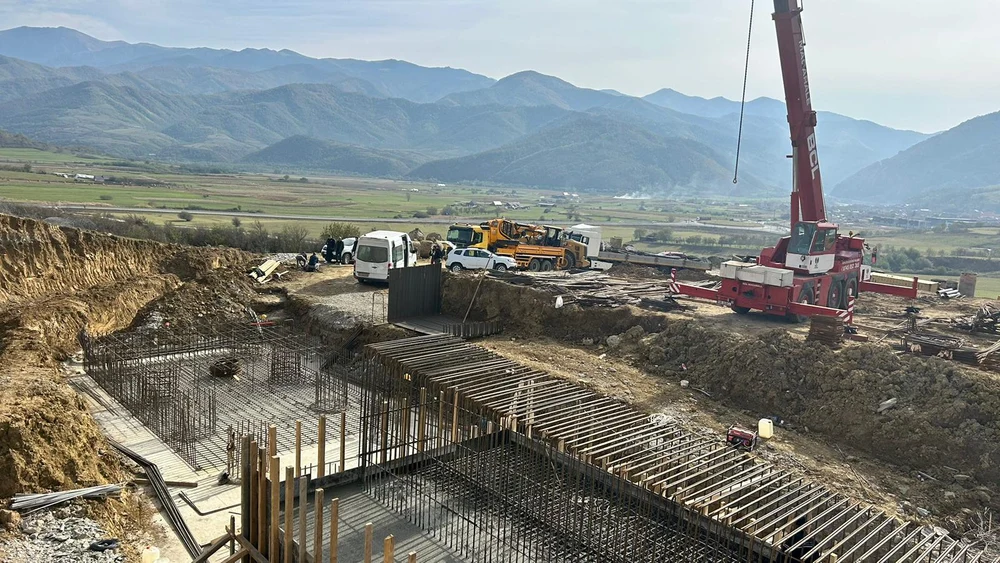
(805, 296)
(546, 265)
(851, 290)
(534, 265)
(835, 297)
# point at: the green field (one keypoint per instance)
(40, 156)
(169, 189)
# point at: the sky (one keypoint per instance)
(925, 65)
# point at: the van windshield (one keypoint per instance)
(367, 253)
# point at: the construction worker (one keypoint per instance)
(313, 265)
(436, 254)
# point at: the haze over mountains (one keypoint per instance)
(280, 109)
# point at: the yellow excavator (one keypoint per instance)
(537, 248)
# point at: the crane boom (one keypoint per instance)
(807, 184)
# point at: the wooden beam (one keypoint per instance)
(303, 505)
(271, 549)
(289, 511)
(369, 532)
(334, 529)
(317, 531)
(212, 547)
(254, 553)
(388, 549)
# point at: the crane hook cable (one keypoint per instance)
(743, 103)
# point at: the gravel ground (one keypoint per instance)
(57, 535)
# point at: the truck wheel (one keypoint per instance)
(805, 296)
(534, 265)
(456, 267)
(570, 260)
(740, 310)
(835, 297)
(546, 265)
(500, 268)
(851, 291)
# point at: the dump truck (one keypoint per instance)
(534, 247)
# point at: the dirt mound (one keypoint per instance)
(527, 311)
(55, 282)
(945, 421)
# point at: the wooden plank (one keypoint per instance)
(369, 532)
(271, 548)
(289, 510)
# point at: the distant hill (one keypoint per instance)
(598, 154)
(63, 47)
(530, 88)
(125, 115)
(20, 78)
(17, 141)
(954, 163)
(141, 100)
(305, 153)
(845, 144)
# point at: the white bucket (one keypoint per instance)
(150, 554)
(765, 428)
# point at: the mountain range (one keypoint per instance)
(393, 118)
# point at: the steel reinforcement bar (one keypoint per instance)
(757, 510)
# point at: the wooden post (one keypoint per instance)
(441, 420)
(262, 500)
(289, 511)
(317, 532)
(334, 529)
(369, 531)
(412, 558)
(245, 489)
(385, 433)
(388, 548)
(298, 448)
(272, 442)
(252, 518)
(303, 505)
(454, 419)
(275, 474)
(422, 420)
(343, 442)
(232, 536)
(322, 448)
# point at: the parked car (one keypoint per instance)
(347, 256)
(478, 259)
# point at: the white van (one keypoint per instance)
(380, 251)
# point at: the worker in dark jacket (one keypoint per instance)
(313, 265)
(436, 254)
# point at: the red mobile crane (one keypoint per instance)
(815, 271)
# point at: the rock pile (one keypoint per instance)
(58, 535)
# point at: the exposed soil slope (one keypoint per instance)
(54, 282)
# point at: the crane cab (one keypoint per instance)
(812, 248)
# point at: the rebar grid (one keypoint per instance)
(434, 406)
(192, 390)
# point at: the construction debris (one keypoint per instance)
(987, 319)
(32, 502)
(886, 405)
(597, 289)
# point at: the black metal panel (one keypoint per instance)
(414, 292)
